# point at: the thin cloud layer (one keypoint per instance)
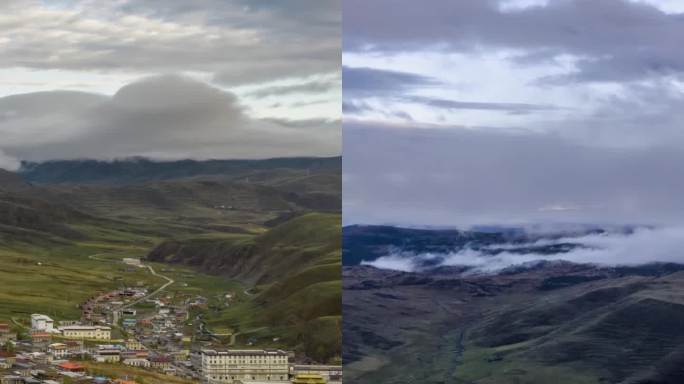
(612, 40)
(366, 82)
(236, 42)
(645, 245)
(427, 176)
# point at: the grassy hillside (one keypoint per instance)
(626, 330)
(55, 280)
(60, 244)
(210, 199)
(27, 211)
(609, 325)
(295, 268)
(289, 247)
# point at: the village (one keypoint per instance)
(132, 330)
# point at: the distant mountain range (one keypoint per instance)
(136, 170)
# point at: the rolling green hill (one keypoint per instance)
(27, 211)
(214, 195)
(45, 244)
(259, 231)
(295, 268)
(216, 200)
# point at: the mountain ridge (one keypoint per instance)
(140, 169)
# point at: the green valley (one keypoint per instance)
(295, 271)
(261, 246)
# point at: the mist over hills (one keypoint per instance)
(493, 250)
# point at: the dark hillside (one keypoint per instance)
(139, 170)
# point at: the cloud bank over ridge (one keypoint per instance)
(644, 245)
(163, 117)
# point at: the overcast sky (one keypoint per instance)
(169, 79)
(516, 111)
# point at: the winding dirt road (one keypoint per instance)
(169, 280)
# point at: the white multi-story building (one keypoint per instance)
(246, 365)
(87, 332)
(142, 363)
(108, 354)
(42, 323)
(58, 351)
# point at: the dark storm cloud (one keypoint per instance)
(165, 117)
(614, 40)
(459, 177)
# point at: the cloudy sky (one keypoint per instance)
(169, 79)
(513, 111)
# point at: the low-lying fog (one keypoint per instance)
(640, 246)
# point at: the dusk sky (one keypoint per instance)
(169, 79)
(508, 112)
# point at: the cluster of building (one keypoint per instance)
(43, 326)
(131, 352)
(159, 339)
(48, 356)
(34, 368)
(104, 307)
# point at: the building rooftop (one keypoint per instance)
(71, 366)
(244, 352)
(84, 327)
(316, 367)
(160, 359)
